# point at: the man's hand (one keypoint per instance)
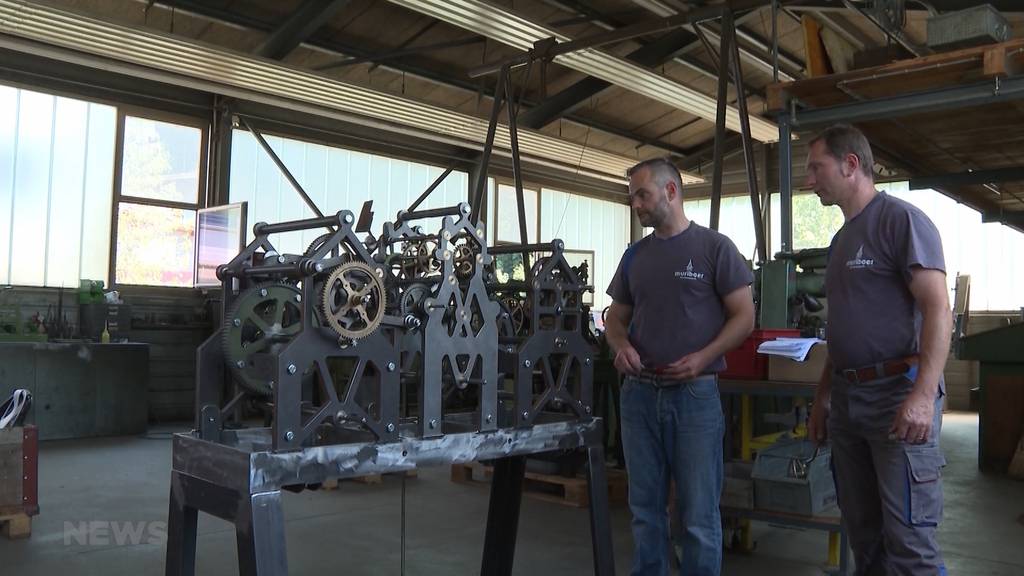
(687, 367)
(913, 422)
(627, 361)
(817, 428)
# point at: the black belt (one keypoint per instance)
(880, 370)
(659, 381)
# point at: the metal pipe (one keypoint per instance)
(307, 224)
(725, 41)
(492, 126)
(748, 147)
(431, 213)
(516, 248)
(775, 41)
(433, 185)
(284, 169)
(786, 182)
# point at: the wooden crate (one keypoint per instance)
(19, 455)
(333, 483)
(569, 491)
(16, 526)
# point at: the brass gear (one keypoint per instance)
(353, 300)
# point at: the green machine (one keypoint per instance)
(1000, 354)
(789, 289)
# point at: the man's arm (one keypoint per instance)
(914, 420)
(817, 430)
(739, 322)
(616, 325)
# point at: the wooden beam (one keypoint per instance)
(817, 59)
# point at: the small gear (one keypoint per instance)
(418, 259)
(261, 320)
(518, 311)
(465, 260)
(353, 300)
(412, 299)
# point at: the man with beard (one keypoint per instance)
(681, 299)
(889, 327)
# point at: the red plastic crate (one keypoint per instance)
(744, 363)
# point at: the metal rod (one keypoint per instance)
(433, 185)
(748, 146)
(307, 224)
(288, 269)
(431, 213)
(485, 156)
(517, 171)
(284, 169)
(516, 248)
(987, 92)
(786, 182)
(723, 90)
(775, 41)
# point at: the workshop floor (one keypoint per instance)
(104, 504)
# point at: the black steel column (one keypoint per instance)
(786, 181)
(503, 516)
(259, 532)
(723, 94)
(182, 521)
(600, 524)
(219, 169)
(748, 147)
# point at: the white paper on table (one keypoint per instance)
(792, 348)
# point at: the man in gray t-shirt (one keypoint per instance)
(889, 326)
(681, 299)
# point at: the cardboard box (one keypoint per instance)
(786, 370)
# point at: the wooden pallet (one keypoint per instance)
(333, 483)
(16, 526)
(548, 487)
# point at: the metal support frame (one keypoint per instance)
(219, 174)
(299, 26)
(445, 316)
(786, 182)
(979, 94)
(240, 481)
(973, 177)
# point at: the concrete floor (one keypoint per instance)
(121, 485)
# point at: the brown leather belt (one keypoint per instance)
(880, 370)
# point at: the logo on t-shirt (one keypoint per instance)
(689, 274)
(859, 261)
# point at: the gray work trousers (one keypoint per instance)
(889, 491)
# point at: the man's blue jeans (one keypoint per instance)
(677, 431)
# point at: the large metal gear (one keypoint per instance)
(353, 300)
(263, 319)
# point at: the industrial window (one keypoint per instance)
(992, 254)
(159, 188)
(506, 214)
(335, 179)
(584, 223)
(56, 174)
